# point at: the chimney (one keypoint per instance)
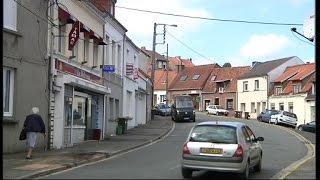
(191, 59)
(308, 62)
(179, 57)
(105, 5)
(143, 48)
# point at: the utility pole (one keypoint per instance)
(153, 61)
(167, 69)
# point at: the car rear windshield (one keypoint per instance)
(214, 133)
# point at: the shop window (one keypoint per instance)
(78, 110)
(8, 90)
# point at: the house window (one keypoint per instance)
(296, 89)
(114, 53)
(245, 86)
(281, 106)
(243, 107)
(10, 15)
(74, 51)
(313, 89)
(61, 37)
(162, 98)
(8, 85)
(95, 54)
(86, 49)
(213, 78)
(196, 77)
(256, 85)
(290, 105)
(272, 106)
(220, 87)
(183, 78)
(278, 90)
(119, 57)
(253, 110)
(229, 103)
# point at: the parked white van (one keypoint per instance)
(284, 117)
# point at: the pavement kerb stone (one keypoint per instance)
(295, 165)
(93, 159)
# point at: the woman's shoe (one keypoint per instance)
(29, 157)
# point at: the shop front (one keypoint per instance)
(80, 106)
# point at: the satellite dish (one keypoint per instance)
(308, 27)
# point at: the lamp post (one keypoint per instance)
(154, 53)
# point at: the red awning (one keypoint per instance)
(66, 16)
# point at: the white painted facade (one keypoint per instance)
(161, 95)
(130, 85)
(71, 73)
(253, 100)
(310, 111)
(297, 101)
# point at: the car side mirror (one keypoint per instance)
(307, 123)
(262, 112)
(259, 139)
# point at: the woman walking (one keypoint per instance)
(33, 125)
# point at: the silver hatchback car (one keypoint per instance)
(221, 146)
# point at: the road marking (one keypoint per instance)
(295, 165)
(109, 158)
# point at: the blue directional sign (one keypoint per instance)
(108, 68)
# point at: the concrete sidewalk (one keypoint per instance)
(15, 166)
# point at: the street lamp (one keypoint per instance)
(154, 53)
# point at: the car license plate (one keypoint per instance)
(186, 118)
(211, 151)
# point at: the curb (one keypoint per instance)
(98, 157)
(295, 165)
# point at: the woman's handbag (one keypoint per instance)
(23, 135)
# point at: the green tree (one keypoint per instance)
(227, 64)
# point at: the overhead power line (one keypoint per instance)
(190, 47)
(213, 19)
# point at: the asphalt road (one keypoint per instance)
(162, 160)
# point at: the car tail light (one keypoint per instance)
(185, 149)
(239, 151)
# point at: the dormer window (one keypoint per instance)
(213, 78)
(278, 90)
(196, 77)
(296, 89)
(183, 78)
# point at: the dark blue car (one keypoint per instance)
(310, 127)
(265, 115)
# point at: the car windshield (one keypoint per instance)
(214, 134)
(184, 102)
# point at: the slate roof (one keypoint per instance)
(262, 69)
(203, 70)
(230, 74)
(160, 78)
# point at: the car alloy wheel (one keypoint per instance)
(300, 128)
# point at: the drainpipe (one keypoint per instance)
(51, 81)
(123, 72)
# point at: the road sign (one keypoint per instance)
(108, 68)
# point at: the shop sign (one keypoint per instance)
(108, 68)
(67, 68)
(129, 68)
(74, 35)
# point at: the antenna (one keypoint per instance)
(308, 27)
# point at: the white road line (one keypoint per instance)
(175, 167)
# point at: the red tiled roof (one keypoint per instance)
(225, 73)
(203, 70)
(177, 61)
(160, 79)
(297, 72)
